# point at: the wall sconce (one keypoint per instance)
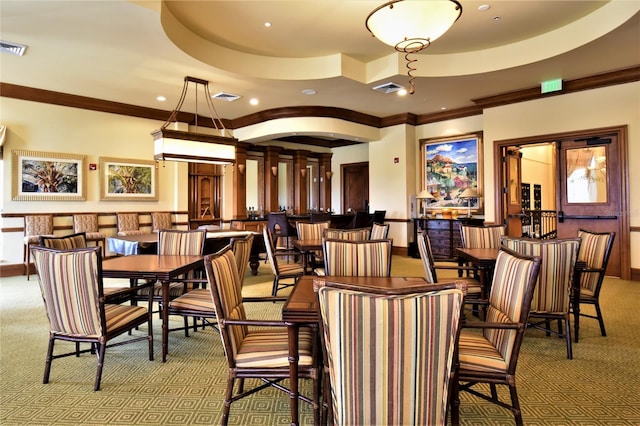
(303, 173)
(241, 168)
(328, 174)
(274, 171)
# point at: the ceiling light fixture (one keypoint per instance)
(411, 26)
(177, 145)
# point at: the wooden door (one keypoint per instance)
(355, 187)
(590, 190)
(512, 193)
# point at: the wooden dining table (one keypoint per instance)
(307, 248)
(484, 259)
(162, 268)
(302, 308)
(215, 241)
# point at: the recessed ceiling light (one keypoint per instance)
(267, 24)
(309, 91)
(484, 7)
(496, 18)
(161, 98)
(254, 101)
(402, 92)
(443, 108)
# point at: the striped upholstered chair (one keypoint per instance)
(312, 231)
(197, 303)
(361, 234)
(178, 242)
(371, 258)
(281, 270)
(481, 237)
(260, 352)
(551, 297)
(491, 357)
(384, 371)
(475, 290)
(593, 258)
(72, 289)
(379, 231)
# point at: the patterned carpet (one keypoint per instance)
(598, 387)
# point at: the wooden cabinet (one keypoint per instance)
(248, 225)
(444, 235)
(204, 192)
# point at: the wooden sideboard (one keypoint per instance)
(444, 235)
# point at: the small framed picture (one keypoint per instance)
(126, 180)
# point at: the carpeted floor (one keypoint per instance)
(598, 387)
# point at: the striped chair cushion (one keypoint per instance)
(120, 315)
(181, 242)
(592, 251)
(508, 290)
(361, 234)
(379, 232)
(424, 247)
(478, 354)
(196, 300)
(311, 231)
(69, 285)
(175, 290)
(481, 237)
(558, 259)
(358, 258)
(270, 348)
(64, 243)
(389, 357)
(242, 251)
(225, 278)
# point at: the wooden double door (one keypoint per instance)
(591, 187)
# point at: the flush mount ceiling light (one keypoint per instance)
(410, 26)
(177, 145)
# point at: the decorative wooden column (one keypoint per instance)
(300, 181)
(325, 179)
(271, 160)
(240, 181)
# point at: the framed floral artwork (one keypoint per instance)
(126, 180)
(452, 172)
(52, 176)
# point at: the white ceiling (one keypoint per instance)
(119, 51)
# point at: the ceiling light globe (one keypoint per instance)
(412, 25)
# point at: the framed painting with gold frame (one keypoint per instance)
(48, 176)
(449, 166)
(124, 179)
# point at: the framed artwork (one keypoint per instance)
(450, 167)
(42, 176)
(126, 180)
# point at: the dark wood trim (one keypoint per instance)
(627, 75)
(635, 229)
(635, 274)
(623, 76)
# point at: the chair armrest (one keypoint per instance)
(286, 253)
(260, 323)
(496, 325)
(265, 299)
(456, 268)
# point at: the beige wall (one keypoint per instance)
(42, 127)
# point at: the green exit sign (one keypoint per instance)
(551, 85)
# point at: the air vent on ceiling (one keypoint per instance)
(13, 48)
(388, 87)
(229, 97)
